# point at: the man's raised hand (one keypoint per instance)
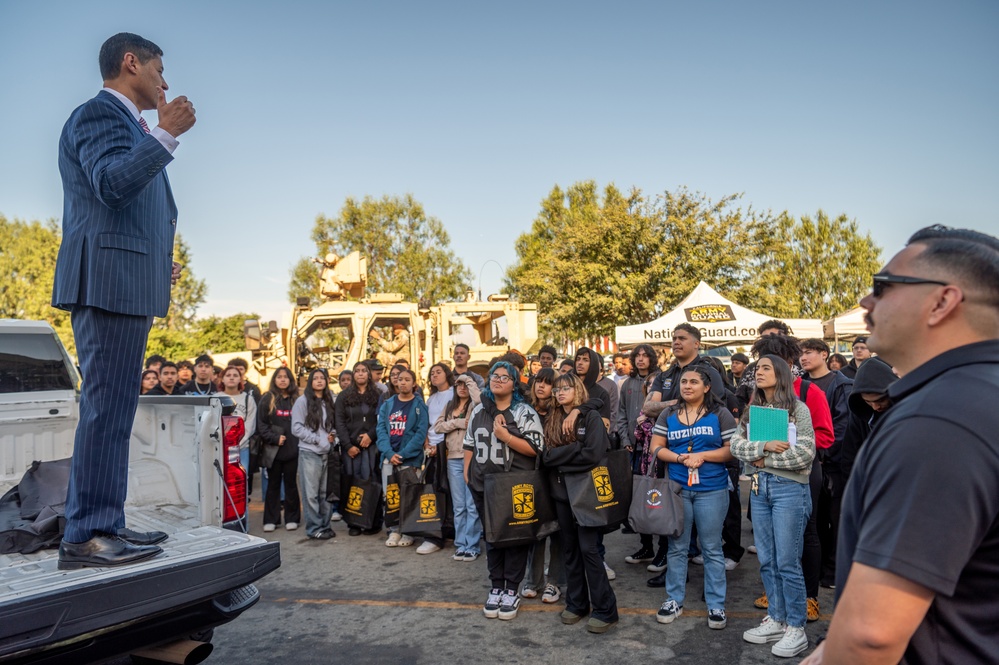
(175, 117)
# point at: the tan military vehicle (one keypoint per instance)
(351, 325)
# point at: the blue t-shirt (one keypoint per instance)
(708, 433)
(398, 415)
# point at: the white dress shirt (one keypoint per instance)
(157, 132)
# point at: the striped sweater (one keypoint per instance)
(794, 463)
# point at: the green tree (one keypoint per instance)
(408, 251)
(186, 295)
(592, 262)
(218, 334)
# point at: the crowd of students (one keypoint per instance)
(688, 421)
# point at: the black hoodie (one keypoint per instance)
(874, 376)
(590, 381)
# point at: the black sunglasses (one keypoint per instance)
(882, 281)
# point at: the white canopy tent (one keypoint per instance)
(847, 325)
(720, 321)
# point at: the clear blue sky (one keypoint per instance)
(884, 111)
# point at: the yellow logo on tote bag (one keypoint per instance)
(523, 501)
(602, 484)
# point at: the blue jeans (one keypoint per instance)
(312, 482)
(707, 510)
(780, 512)
(467, 526)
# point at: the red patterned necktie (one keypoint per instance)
(145, 127)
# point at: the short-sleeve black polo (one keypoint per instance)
(923, 502)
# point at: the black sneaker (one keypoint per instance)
(324, 534)
(716, 619)
(657, 581)
(644, 554)
(492, 606)
(658, 564)
(353, 531)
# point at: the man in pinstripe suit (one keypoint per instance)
(114, 272)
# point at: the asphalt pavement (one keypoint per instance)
(353, 600)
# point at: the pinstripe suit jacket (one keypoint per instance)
(119, 216)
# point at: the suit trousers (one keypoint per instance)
(110, 348)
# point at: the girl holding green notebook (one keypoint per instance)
(780, 500)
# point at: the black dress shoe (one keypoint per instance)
(354, 531)
(657, 581)
(142, 537)
(103, 551)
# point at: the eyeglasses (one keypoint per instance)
(500, 378)
(563, 389)
(883, 280)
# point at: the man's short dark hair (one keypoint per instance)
(783, 346)
(622, 354)
(462, 345)
(153, 359)
(167, 363)
(740, 357)
(550, 350)
(815, 344)
(184, 364)
(774, 324)
(204, 358)
(239, 362)
(566, 362)
(693, 330)
(115, 48)
(970, 255)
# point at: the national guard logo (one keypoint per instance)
(523, 501)
(392, 497)
(653, 498)
(428, 506)
(354, 499)
(709, 313)
(602, 484)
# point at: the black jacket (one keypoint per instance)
(838, 395)
(594, 388)
(583, 454)
(354, 415)
(874, 376)
(272, 424)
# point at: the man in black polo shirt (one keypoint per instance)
(917, 573)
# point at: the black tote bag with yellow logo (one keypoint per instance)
(421, 510)
(601, 497)
(518, 506)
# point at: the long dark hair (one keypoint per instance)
(448, 374)
(547, 376)
(352, 396)
(451, 410)
(712, 402)
(554, 436)
(650, 352)
(275, 392)
(784, 397)
(314, 405)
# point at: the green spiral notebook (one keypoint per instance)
(766, 424)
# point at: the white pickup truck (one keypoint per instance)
(184, 479)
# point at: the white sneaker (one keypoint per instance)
(794, 642)
(768, 631)
(551, 594)
(509, 604)
(405, 541)
(730, 564)
(427, 547)
(611, 575)
(393, 539)
(291, 526)
(698, 560)
(336, 517)
(528, 592)
(669, 611)
(268, 528)
(751, 549)
(492, 607)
